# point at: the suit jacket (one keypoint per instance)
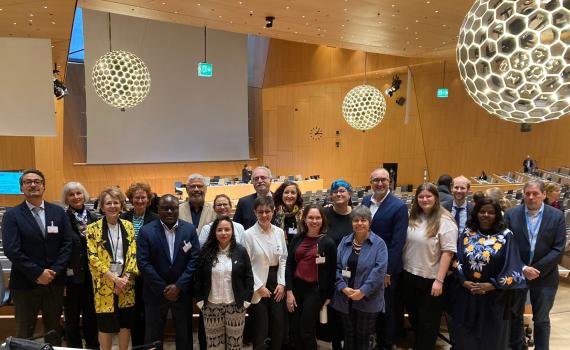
(449, 205)
(78, 261)
(245, 214)
(153, 258)
(149, 216)
(242, 278)
(391, 223)
(550, 243)
(28, 250)
(100, 257)
(208, 215)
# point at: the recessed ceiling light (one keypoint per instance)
(241, 2)
(231, 22)
(443, 42)
(303, 16)
(52, 22)
(393, 15)
(14, 23)
(45, 7)
(393, 5)
(220, 16)
(345, 10)
(198, 4)
(286, 7)
(31, 15)
(417, 20)
(296, 32)
(342, 25)
(164, 3)
(407, 28)
(176, 12)
(53, 46)
(427, 2)
(436, 11)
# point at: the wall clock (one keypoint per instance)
(316, 133)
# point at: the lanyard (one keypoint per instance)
(115, 246)
(533, 230)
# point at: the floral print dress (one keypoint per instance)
(482, 319)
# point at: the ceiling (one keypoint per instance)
(412, 28)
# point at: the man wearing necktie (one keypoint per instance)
(459, 207)
(37, 239)
(540, 233)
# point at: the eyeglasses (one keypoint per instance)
(199, 187)
(30, 182)
(222, 205)
(379, 179)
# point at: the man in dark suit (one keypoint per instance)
(540, 234)
(261, 179)
(459, 207)
(443, 187)
(37, 239)
(529, 164)
(390, 222)
(167, 256)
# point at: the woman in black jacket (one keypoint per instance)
(223, 303)
(79, 288)
(310, 276)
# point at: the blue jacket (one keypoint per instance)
(391, 223)
(153, 259)
(369, 278)
(29, 251)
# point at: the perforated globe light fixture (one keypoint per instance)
(121, 79)
(363, 107)
(514, 58)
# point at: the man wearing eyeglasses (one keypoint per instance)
(390, 222)
(261, 180)
(37, 239)
(195, 210)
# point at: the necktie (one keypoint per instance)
(36, 212)
(457, 217)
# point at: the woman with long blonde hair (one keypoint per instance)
(430, 245)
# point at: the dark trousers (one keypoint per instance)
(29, 302)
(390, 322)
(79, 312)
(156, 311)
(424, 310)
(138, 330)
(359, 327)
(542, 300)
(268, 317)
(306, 314)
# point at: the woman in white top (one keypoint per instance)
(222, 207)
(223, 286)
(430, 245)
(266, 246)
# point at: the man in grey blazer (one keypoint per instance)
(540, 233)
(196, 210)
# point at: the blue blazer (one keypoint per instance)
(245, 214)
(391, 223)
(153, 259)
(549, 247)
(369, 274)
(28, 250)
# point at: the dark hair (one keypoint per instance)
(278, 195)
(263, 200)
(32, 171)
(304, 228)
(444, 180)
(209, 251)
(477, 196)
(473, 221)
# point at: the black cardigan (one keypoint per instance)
(242, 278)
(326, 271)
(78, 261)
(148, 216)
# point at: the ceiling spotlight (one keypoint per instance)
(59, 90)
(394, 87)
(269, 21)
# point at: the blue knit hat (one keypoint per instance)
(340, 183)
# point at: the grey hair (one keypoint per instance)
(266, 169)
(532, 183)
(361, 212)
(73, 186)
(196, 177)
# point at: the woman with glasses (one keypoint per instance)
(222, 207)
(265, 244)
(430, 245)
(288, 208)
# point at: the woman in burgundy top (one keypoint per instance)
(310, 276)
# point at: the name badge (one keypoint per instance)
(116, 268)
(52, 228)
(346, 273)
(70, 272)
(320, 260)
(293, 231)
(186, 247)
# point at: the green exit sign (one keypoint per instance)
(205, 69)
(442, 93)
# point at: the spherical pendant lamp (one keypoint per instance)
(514, 58)
(364, 107)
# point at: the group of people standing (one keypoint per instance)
(285, 264)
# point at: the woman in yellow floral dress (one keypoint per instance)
(111, 250)
(488, 265)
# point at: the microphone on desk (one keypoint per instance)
(149, 346)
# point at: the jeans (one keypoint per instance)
(542, 299)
